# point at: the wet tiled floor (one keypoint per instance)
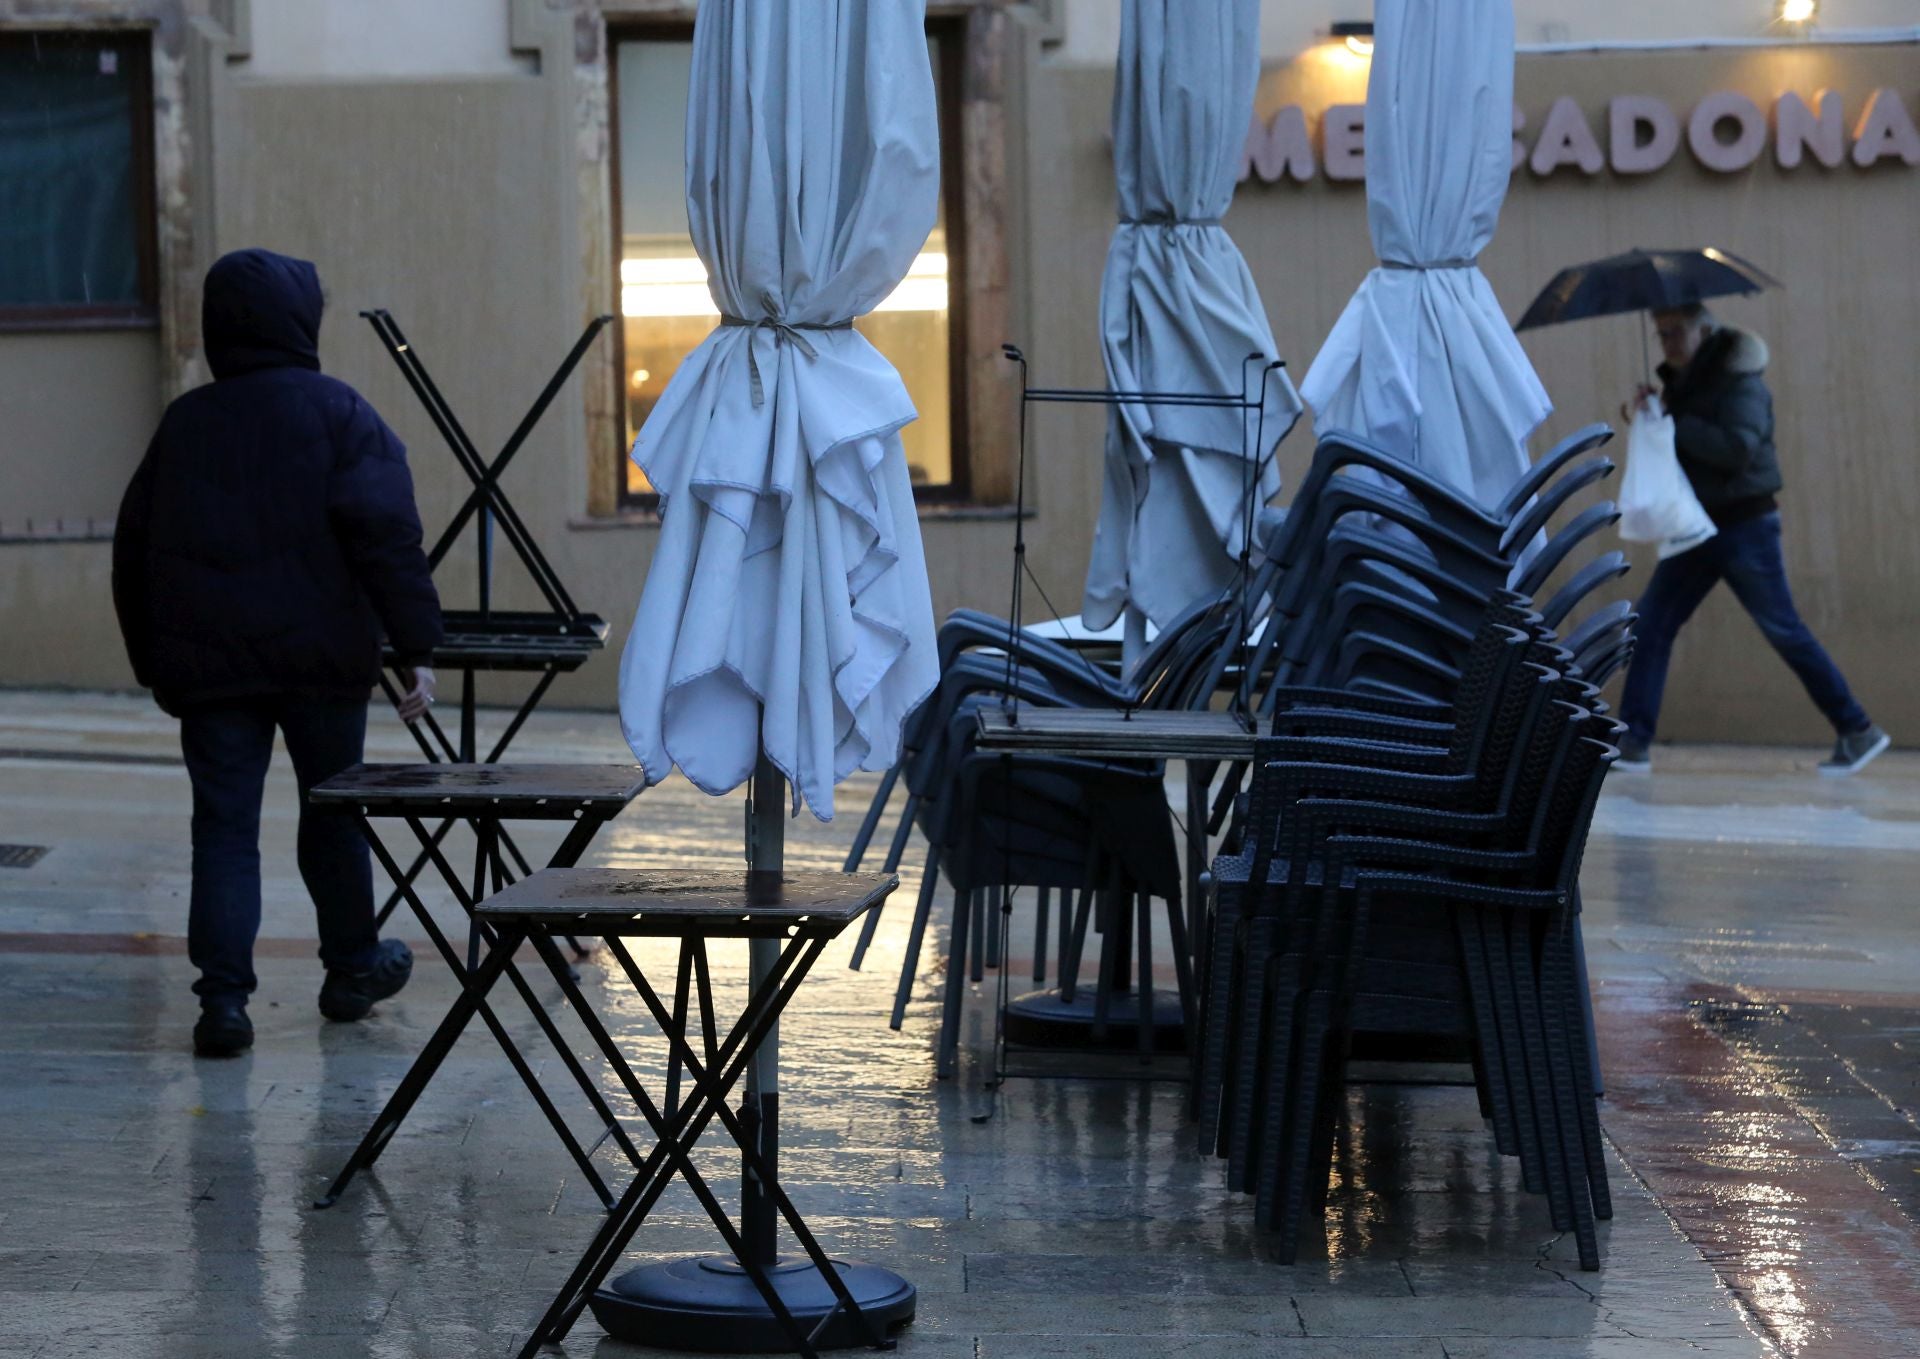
(1754, 946)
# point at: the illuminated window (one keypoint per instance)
(76, 179)
(666, 309)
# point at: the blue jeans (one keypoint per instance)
(1747, 556)
(228, 747)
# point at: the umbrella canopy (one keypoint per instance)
(1643, 280)
(1179, 313)
(787, 603)
(1423, 362)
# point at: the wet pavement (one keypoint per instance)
(1754, 947)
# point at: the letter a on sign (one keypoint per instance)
(1565, 139)
(1885, 132)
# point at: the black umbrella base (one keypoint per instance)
(1040, 1019)
(709, 1304)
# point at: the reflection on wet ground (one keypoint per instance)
(1751, 939)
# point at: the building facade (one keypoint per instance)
(497, 172)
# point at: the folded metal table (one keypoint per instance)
(1117, 733)
(545, 642)
(483, 796)
(793, 915)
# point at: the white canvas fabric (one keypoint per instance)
(787, 603)
(1423, 362)
(1179, 312)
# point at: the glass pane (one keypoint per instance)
(664, 303)
(67, 202)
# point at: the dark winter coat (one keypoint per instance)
(270, 535)
(1723, 425)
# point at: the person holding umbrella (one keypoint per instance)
(1713, 385)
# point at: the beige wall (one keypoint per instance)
(1090, 29)
(379, 39)
(1842, 332)
(76, 409)
(464, 204)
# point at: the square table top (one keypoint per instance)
(500, 640)
(526, 791)
(646, 901)
(1115, 733)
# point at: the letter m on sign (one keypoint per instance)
(1280, 147)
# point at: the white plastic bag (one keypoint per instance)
(1657, 503)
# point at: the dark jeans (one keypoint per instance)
(227, 749)
(1747, 556)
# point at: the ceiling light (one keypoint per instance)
(1358, 35)
(1798, 11)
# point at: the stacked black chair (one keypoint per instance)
(1376, 582)
(1413, 876)
(1099, 828)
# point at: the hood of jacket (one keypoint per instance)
(260, 310)
(1728, 350)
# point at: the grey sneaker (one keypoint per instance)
(1635, 756)
(1855, 751)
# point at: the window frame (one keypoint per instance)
(135, 46)
(949, 35)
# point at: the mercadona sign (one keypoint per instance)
(1726, 132)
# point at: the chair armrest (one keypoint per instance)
(1332, 724)
(1288, 696)
(1363, 851)
(1448, 889)
(1394, 756)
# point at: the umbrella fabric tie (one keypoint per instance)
(782, 331)
(1472, 262)
(1170, 221)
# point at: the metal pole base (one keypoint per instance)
(709, 1304)
(1041, 1019)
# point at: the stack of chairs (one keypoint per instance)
(1055, 823)
(1372, 582)
(1411, 869)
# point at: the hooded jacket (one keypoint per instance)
(269, 537)
(1723, 425)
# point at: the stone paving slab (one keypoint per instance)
(159, 1206)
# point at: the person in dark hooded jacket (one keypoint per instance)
(1715, 388)
(267, 544)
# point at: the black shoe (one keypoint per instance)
(222, 1031)
(1635, 755)
(347, 996)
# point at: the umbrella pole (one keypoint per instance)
(760, 1113)
(709, 1303)
(1133, 639)
(1646, 356)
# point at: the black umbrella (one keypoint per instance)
(1643, 280)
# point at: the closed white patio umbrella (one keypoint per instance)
(787, 606)
(1423, 362)
(1179, 312)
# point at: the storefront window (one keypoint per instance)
(76, 200)
(666, 310)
